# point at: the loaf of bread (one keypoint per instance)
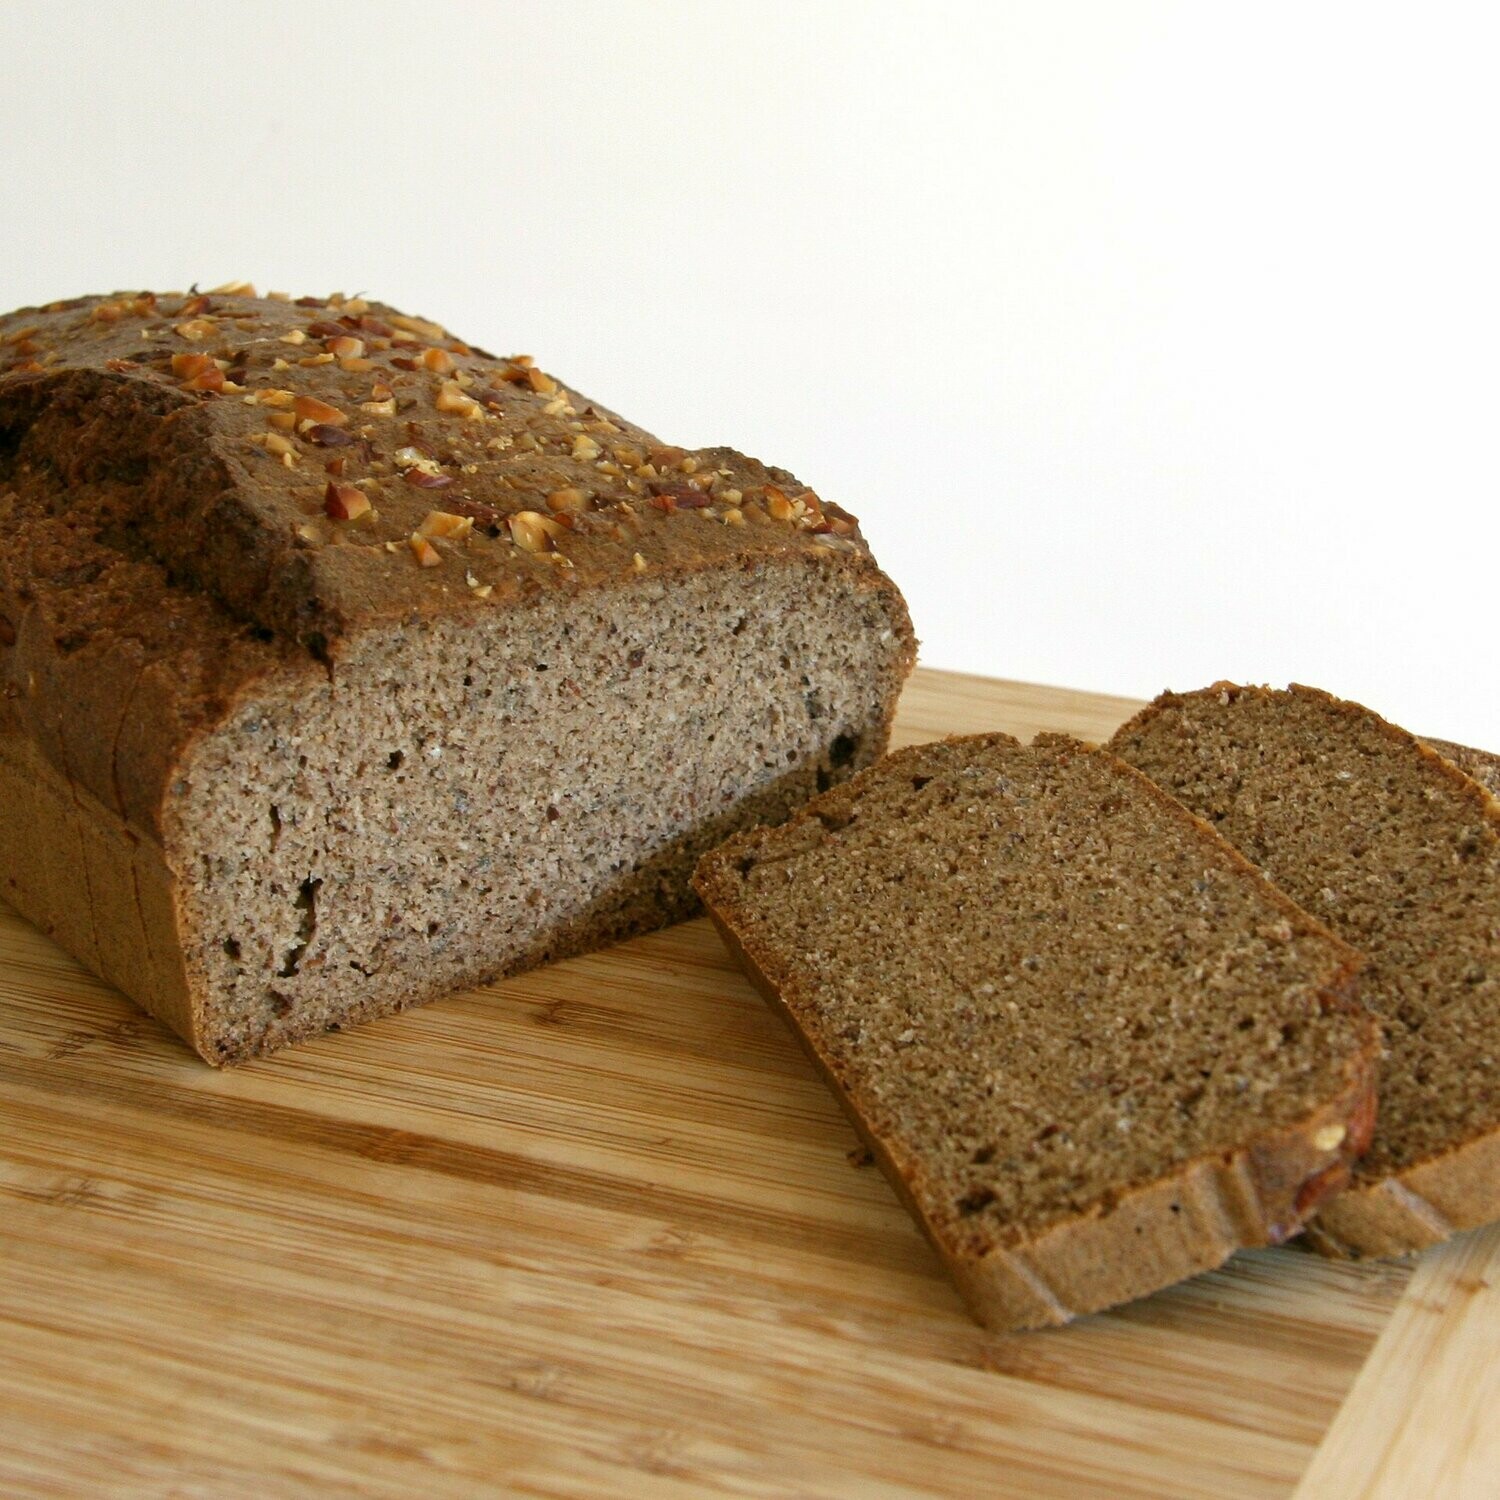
(1092, 1049)
(343, 664)
(1398, 852)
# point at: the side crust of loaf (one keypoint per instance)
(1426, 1201)
(1152, 1234)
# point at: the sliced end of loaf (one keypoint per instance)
(467, 797)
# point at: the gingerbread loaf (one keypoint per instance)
(343, 664)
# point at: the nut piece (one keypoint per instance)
(196, 328)
(233, 289)
(437, 360)
(343, 502)
(585, 447)
(638, 563)
(423, 550)
(432, 331)
(451, 398)
(569, 501)
(310, 409)
(779, 506)
(269, 396)
(445, 523)
(535, 532)
(1330, 1137)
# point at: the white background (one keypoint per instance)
(1154, 343)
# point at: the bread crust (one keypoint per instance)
(1152, 1234)
(1442, 1194)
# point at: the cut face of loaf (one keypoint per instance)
(1400, 854)
(465, 800)
(1092, 1049)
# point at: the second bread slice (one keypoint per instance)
(1092, 1049)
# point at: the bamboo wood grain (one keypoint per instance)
(1424, 1415)
(595, 1231)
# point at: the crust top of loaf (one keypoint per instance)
(253, 425)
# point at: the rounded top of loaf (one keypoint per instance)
(320, 464)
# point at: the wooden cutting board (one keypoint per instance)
(599, 1231)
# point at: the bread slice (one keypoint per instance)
(1399, 852)
(1482, 766)
(343, 665)
(1093, 1050)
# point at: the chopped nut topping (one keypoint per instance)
(120, 366)
(195, 305)
(345, 503)
(310, 409)
(423, 550)
(283, 419)
(535, 532)
(234, 289)
(274, 442)
(345, 347)
(734, 517)
(432, 331)
(568, 500)
(267, 396)
(425, 479)
(415, 458)
(445, 523)
(437, 360)
(638, 563)
(354, 306)
(293, 336)
(185, 366)
(543, 384)
(451, 398)
(778, 504)
(385, 408)
(196, 328)
(211, 378)
(316, 359)
(585, 447)
(484, 591)
(357, 365)
(1330, 1137)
